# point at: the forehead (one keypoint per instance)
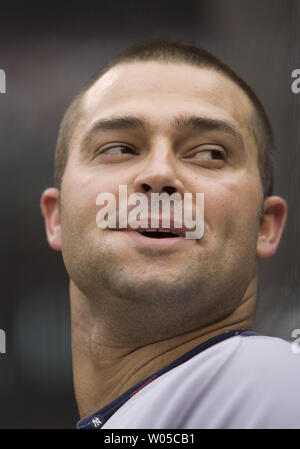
(160, 90)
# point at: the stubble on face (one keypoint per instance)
(163, 292)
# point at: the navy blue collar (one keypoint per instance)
(97, 420)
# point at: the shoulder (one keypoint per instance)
(254, 360)
(262, 351)
(241, 382)
(247, 353)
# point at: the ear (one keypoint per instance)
(272, 225)
(50, 210)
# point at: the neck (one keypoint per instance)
(103, 371)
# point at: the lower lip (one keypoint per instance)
(165, 242)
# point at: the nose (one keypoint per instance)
(158, 173)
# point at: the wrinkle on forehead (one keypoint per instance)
(130, 81)
(134, 77)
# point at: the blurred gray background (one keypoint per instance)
(48, 51)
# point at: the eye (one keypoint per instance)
(211, 154)
(117, 150)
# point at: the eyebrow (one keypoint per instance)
(181, 122)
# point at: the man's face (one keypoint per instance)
(192, 282)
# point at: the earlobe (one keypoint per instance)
(50, 210)
(272, 225)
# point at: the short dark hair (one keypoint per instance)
(170, 50)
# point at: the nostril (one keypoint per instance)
(146, 187)
(169, 189)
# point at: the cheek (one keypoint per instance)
(231, 207)
(80, 190)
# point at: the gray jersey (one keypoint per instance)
(245, 381)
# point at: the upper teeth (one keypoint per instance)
(159, 230)
(155, 230)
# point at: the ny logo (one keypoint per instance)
(96, 422)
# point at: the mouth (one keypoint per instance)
(159, 239)
(159, 234)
